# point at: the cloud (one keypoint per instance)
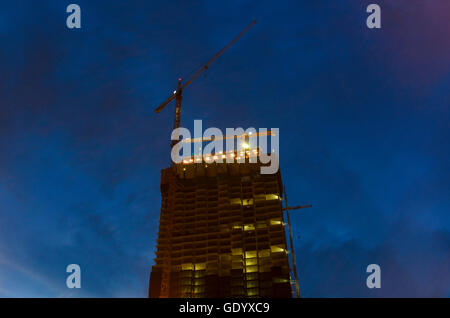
(363, 128)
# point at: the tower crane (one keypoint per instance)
(177, 95)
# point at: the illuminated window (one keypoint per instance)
(250, 254)
(200, 266)
(262, 197)
(249, 227)
(251, 269)
(251, 261)
(187, 266)
(272, 197)
(276, 249)
(199, 274)
(275, 221)
(280, 280)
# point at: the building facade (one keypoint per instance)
(221, 233)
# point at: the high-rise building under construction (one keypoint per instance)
(221, 233)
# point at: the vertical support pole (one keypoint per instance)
(177, 118)
(294, 265)
(178, 99)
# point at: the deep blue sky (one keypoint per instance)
(364, 134)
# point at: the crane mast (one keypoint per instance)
(178, 99)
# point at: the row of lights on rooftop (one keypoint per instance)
(231, 155)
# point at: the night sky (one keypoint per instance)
(364, 135)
